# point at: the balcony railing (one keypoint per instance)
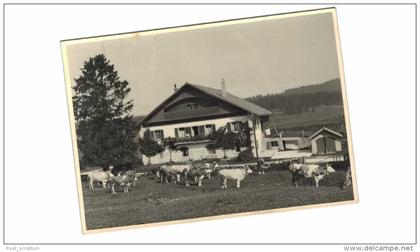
(197, 138)
(191, 113)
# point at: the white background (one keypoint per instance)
(379, 62)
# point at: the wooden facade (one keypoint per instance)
(326, 141)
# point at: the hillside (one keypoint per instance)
(331, 116)
(301, 99)
(328, 86)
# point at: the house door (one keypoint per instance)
(330, 145)
(320, 145)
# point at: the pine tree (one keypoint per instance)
(105, 129)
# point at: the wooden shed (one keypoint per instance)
(326, 141)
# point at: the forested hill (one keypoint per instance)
(328, 86)
(305, 98)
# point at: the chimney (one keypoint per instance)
(223, 87)
(175, 88)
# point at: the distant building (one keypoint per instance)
(276, 141)
(192, 112)
(295, 143)
(273, 140)
(326, 141)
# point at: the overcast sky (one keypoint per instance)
(253, 58)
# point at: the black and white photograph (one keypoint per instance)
(214, 120)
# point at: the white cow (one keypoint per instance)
(237, 174)
(166, 171)
(198, 172)
(135, 174)
(97, 175)
(315, 171)
(125, 180)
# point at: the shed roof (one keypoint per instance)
(325, 129)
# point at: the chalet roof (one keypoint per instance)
(216, 93)
(325, 129)
(234, 100)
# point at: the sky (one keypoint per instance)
(254, 58)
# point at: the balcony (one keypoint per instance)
(191, 113)
(192, 139)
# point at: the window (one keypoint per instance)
(188, 132)
(195, 130)
(201, 130)
(274, 144)
(181, 132)
(236, 126)
(209, 129)
(157, 135)
(184, 151)
(211, 150)
(191, 106)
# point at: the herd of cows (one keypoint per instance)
(198, 171)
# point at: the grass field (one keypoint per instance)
(323, 115)
(151, 202)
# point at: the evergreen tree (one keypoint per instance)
(105, 129)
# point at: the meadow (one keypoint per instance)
(151, 202)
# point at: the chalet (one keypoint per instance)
(326, 141)
(192, 112)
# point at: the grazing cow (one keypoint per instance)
(198, 172)
(299, 171)
(135, 174)
(237, 174)
(172, 171)
(347, 181)
(125, 180)
(154, 170)
(90, 171)
(163, 173)
(98, 175)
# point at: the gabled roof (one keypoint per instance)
(325, 129)
(216, 93)
(234, 100)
